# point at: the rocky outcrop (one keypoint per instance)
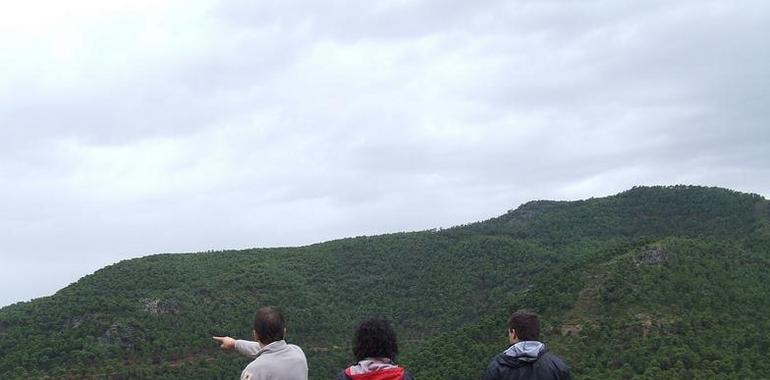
(571, 329)
(124, 335)
(652, 256)
(161, 306)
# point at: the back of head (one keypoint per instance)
(526, 324)
(375, 338)
(269, 325)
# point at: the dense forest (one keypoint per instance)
(652, 283)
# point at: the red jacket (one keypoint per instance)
(383, 374)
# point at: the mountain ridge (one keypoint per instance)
(151, 316)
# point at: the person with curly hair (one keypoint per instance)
(375, 349)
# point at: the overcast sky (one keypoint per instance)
(136, 127)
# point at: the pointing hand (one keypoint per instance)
(225, 342)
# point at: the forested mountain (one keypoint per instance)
(655, 282)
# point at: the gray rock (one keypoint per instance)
(161, 306)
(123, 335)
(652, 256)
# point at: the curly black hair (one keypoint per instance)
(375, 338)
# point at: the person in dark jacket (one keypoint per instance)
(527, 357)
(375, 349)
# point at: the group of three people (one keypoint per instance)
(375, 350)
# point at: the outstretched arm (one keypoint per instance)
(248, 348)
(244, 347)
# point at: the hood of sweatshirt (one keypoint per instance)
(522, 353)
(375, 369)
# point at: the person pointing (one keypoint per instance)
(273, 357)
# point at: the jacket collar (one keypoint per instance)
(272, 347)
(372, 365)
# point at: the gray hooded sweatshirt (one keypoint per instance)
(276, 360)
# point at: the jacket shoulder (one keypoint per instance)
(493, 369)
(342, 376)
(557, 365)
(294, 347)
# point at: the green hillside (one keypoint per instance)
(655, 282)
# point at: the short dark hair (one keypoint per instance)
(526, 324)
(375, 338)
(269, 324)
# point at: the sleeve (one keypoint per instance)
(491, 371)
(564, 373)
(247, 348)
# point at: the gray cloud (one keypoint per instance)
(210, 125)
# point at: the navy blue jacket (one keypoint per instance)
(547, 366)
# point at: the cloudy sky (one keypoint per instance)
(133, 127)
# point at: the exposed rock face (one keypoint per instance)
(75, 322)
(161, 306)
(80, 320)
(571, 329)
(646, 323)
(122, 335)
(652, 256)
